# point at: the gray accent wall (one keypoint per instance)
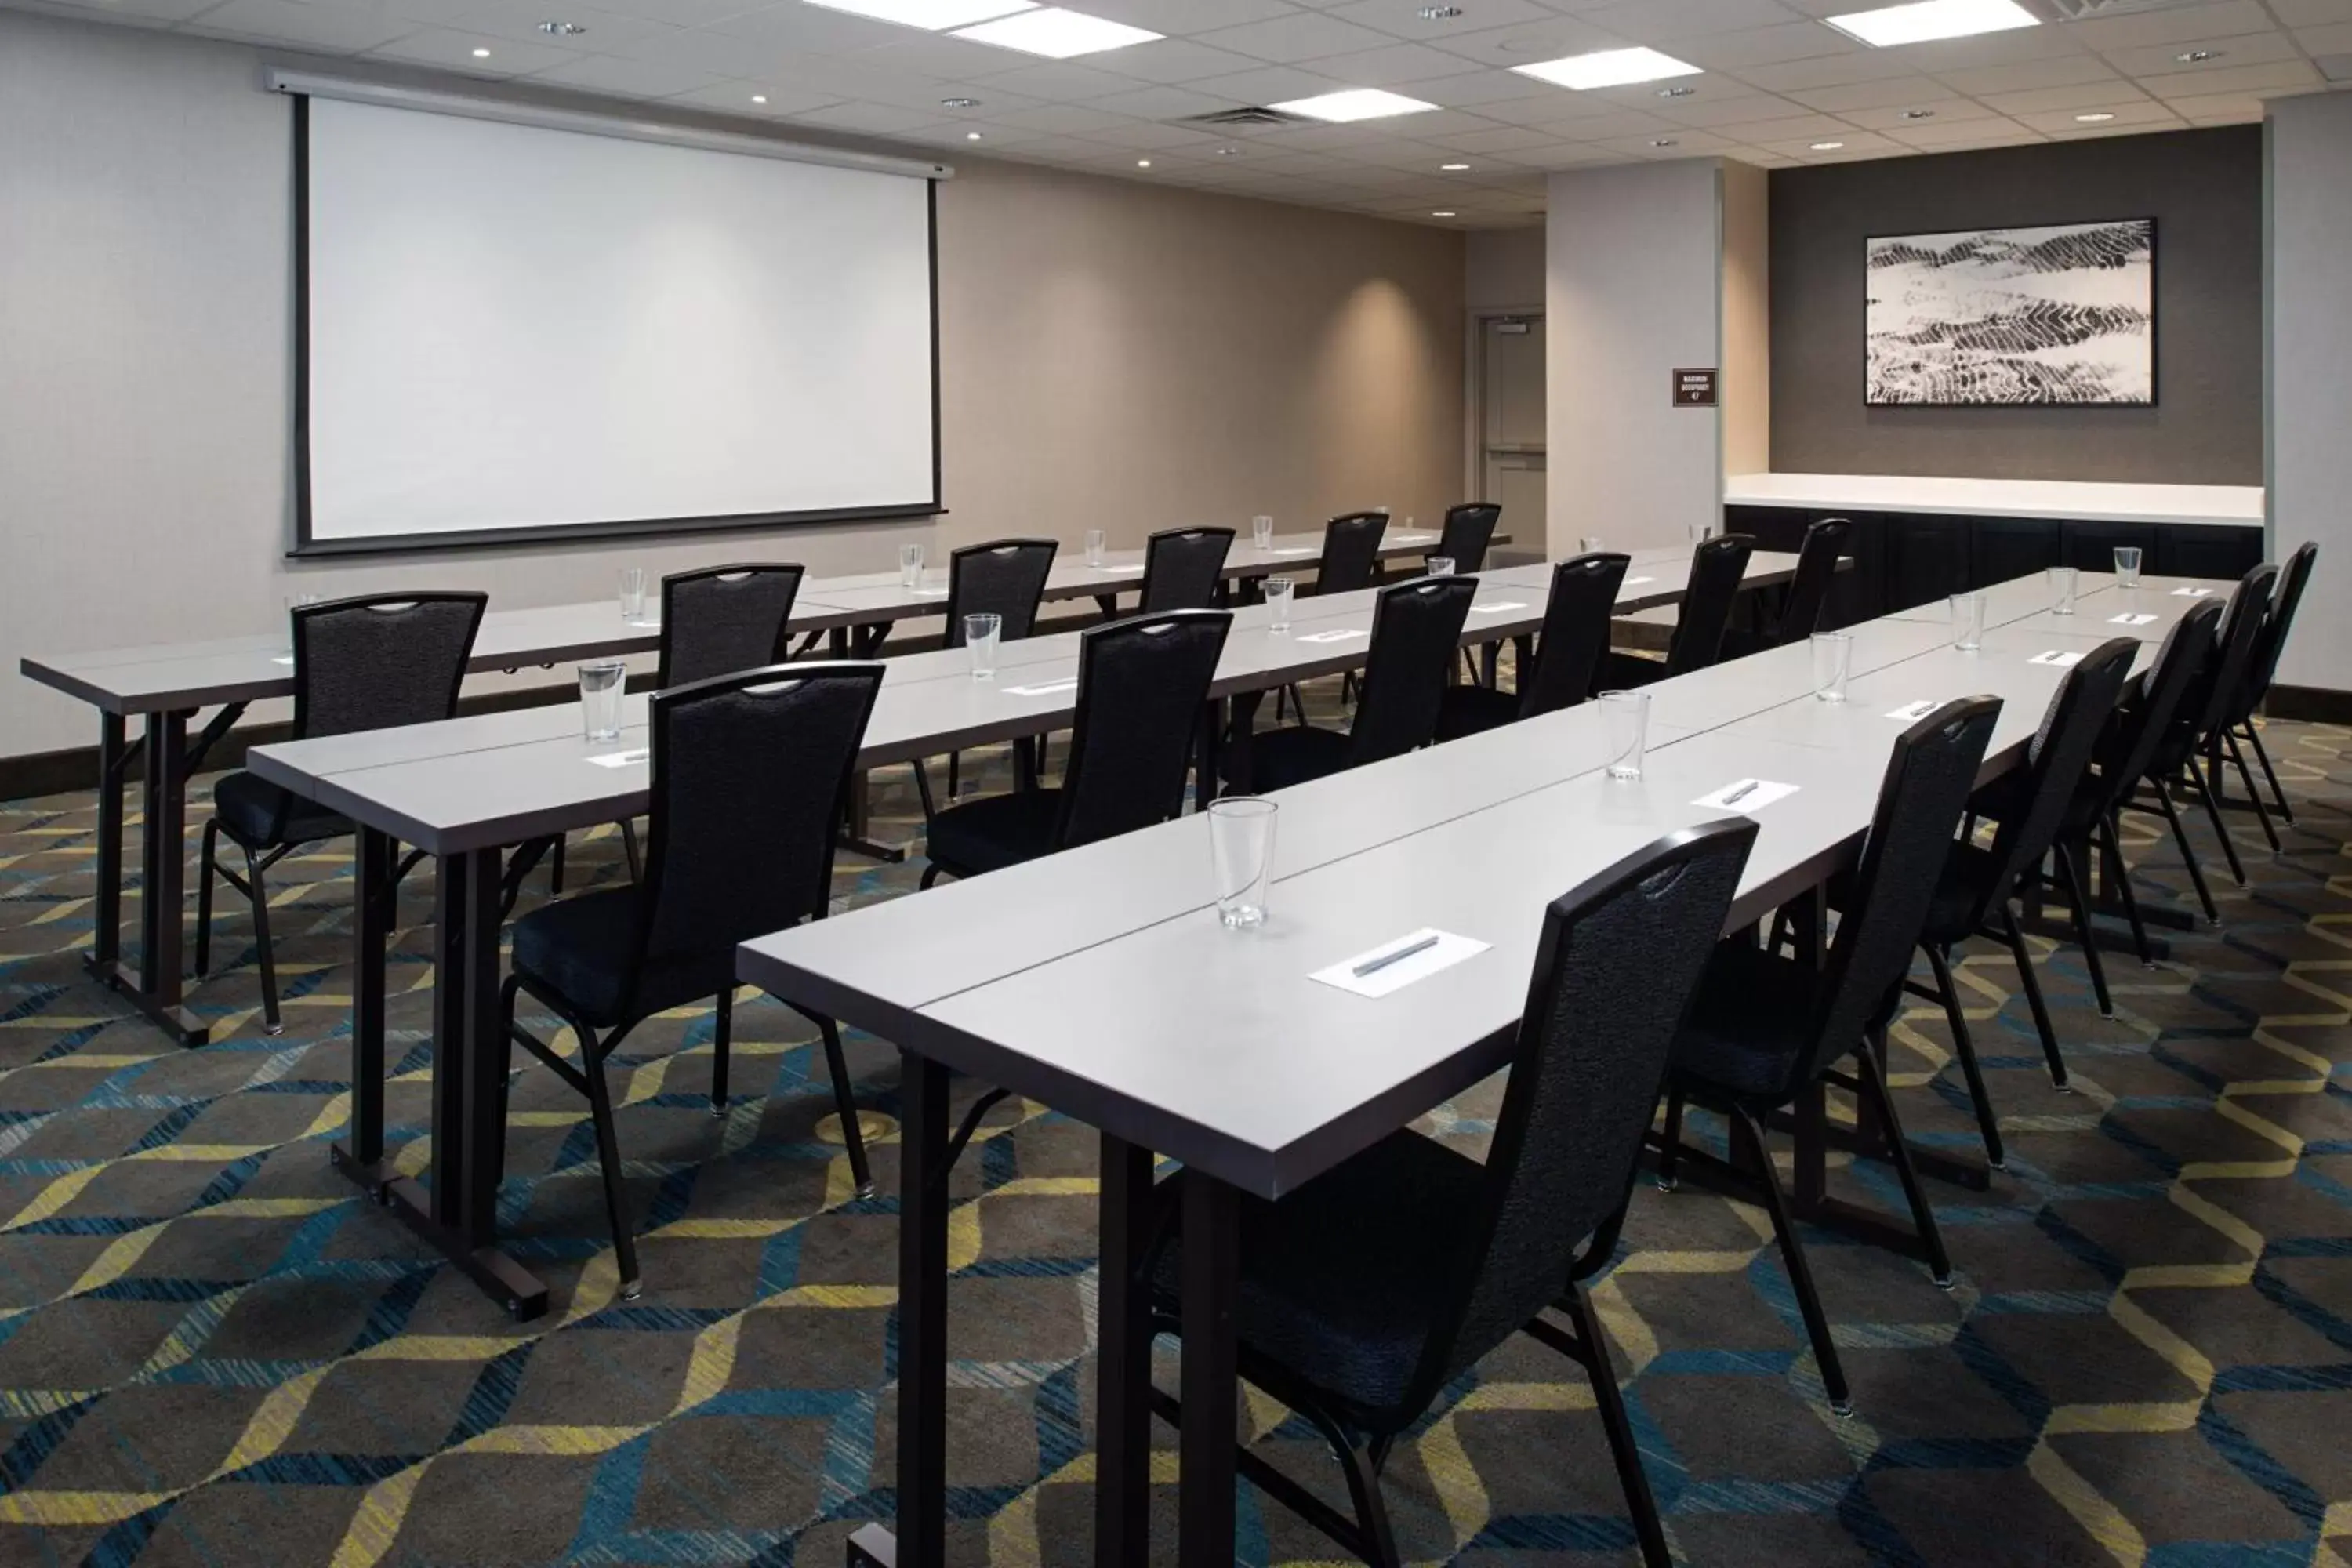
(2311, 374)
(2204, 188)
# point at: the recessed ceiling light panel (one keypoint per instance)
(1355, 103)
(1827, 146)
(1609, 67)
(932, 13)
(1924, 20)
(2099, 119)
(1451, 168)
(1055, 33)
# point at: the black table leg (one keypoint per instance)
(373, 861)
(1123, 1360)
(155, 989)
(1212, 1391)
(106, 938)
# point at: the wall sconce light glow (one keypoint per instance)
(1923, 20)
(1443, 214)
(1355, 103)
(481, 54)
(1055, 33)
(1451, 168)
(933, 14)
(1827, 146)
(1143, 163)
(2099, 119)
(972, 135)
(1608, 68)
(759, 98)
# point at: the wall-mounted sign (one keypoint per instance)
(1695, 388)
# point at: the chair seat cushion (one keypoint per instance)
(1277, 759)
(257, 812)
(1960, 891)
(988, 834)
(580, 950)
(1470, 710)
(1751, 1029)
(1341, 1280)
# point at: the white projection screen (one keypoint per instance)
(510, 332)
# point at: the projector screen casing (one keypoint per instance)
(910, 493)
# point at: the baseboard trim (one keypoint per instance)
(2315, 702)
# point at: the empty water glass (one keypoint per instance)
(980, 635)
(1262, 532)
(633, 593)
(1832, 664)
(601, 686)
(1094, 543)
(1968, 621)
(1441, 566)
(2064, 582)
(1589, 545)
(293, 603)
(1626, 715)
(2128, 565)
(1241, 857)
(1700, 532)
(1278, 604)
(910, 566)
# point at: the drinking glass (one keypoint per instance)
(1832, 663)
(1700, 532)
(1627, 715)
(1968, 621)
(1589, 545)
(1278, 604)
(910, 566)
(1240, 855)
(2064, 582)
(601, 686)
(2128, 565)
(293, 603)
(1262, 534)
(1094, 543)
(633, 593)
(980, 635)
(1441, 566)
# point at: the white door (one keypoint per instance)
(1511, 423)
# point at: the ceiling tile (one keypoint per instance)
(2063, 71)
(324, 28)
(2107, 94)
(1737, 52)
(1181, 18)
(1663, 21)
(1402, 19)
(2176, 25)
(2242, 49)
(612, 73)
(1941, 111)
(1900, 92)
(453, 50)
(1299, 35)
(2145, 115)
(1179, 59)
(1395, 63)
(2283, 76)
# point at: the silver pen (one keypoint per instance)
(1374, 965)
(1742, 792)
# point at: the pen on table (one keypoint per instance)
(1742, 792)
(1374, 965)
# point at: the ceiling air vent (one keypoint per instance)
(1229, 117)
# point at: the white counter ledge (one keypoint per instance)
(2220, 506)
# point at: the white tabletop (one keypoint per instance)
(2233, 506)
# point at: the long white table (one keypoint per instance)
(1099, 983)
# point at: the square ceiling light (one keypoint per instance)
(1056, 34)
(1355, 103)
(934, 15)
(1608, 68)
(1926, 20)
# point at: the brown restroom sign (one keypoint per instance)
(1695, 388)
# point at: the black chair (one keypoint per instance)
(751, 777)
(2239, 718)
(1184, 569)
(1767, 1030)
(1143, 687)
(1558, 671)
(1368, 1291)
(1809, 590)
(2204, 713)
(1718, 568)
(1417, 627)
(366, 663)
(1006, 578)
(1975, 888)
(722, 620)
(1351, 552)
(1468, 533)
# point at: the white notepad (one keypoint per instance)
(1498, 609)
(1345, 634)
(2057, 658)
(1044, 687)
(1445, 953)
(1760, 793)
(2129, 619)
(929, 592)
(1636, 581)
(623, 759)
(1414, 538)
(1116, 571)
(1293, 550)
(2192, 593)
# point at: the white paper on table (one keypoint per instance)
(1345, 634)
(1635, 582)
(623, 759)
(2192, 593)
(2057, 658)
(1498, 609)
(1414, 538)
(1116, 571)
(1044, 687)
(1449, 951)
(2130, 619)
(1761, 793)
(1294, 550)
(929, 592)
(283, 658)
(1912, 713)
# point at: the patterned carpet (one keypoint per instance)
(213, 1352)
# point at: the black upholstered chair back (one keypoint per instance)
(1615, 971)
(1809, 587)
(2277, 627)
(1717, 567)
(1575, 639)
(2127, 751)
(1143, 684)
(724, 619)
(1006, 578)
(2235, 646)
(1181, 567)
(1351, 552)
(381, 661)
(749, 775)
(1469, 531)
(1925, 788)
(1417, 627)
(2079, 712)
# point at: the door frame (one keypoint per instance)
(1474, 389)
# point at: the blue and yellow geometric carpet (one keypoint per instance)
(213, 1352)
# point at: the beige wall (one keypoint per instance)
(1112, 354)
(1747, 383)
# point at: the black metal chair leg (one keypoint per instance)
(2073, 872)
(923, 790)
(2032, 986)
(2221, 828)
(2119, 875)
(205, 898)
(2254, 795)
(2262, 756)
(722, 1019)
(2187, 852)
(608, 1155)
(955, 774)
(846, 1104)
(1617, 1428)
(1371, 1511)
(1873, 1079)
(271, 1024)
(1670, 1145)
(1964, 1046)
(1792, 1256)
(629, 849)
(555, 868)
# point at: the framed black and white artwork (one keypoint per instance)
(2061, 314)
